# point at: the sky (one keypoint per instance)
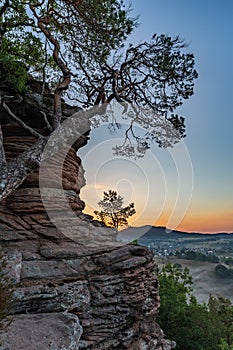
(190, 187)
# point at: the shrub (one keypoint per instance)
(223, 272)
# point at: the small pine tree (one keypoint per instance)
(113, 214)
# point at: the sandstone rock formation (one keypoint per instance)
(72, 297)
(85, 291)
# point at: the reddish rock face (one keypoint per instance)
(25, 203)
(105, 298)
(24, 208)
(81, 291)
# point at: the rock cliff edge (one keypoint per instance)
(82, 292)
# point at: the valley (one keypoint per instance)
(201, 253)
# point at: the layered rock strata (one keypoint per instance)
(83, 290)
(24, 210)
(72, 297)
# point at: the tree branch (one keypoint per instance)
(3, 163)
(2, 152)
(114, 87)
(19, 121)
(20, 167)
(49, 127)
(43, 22)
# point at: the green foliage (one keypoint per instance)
(26, 48)
(175, 288)
(77, 46)
(224, 346)
(223, 272)
(13, 69)
(198, 256)
(192, 325)
(6, 294)
(13, 72)
(135, 242)
(221, 315)
(96, 26)
(228, 260)
(113, 214)
(108, 25)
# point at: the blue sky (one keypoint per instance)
(208, 28)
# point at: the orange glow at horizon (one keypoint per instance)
(211, 222)
(157, 204)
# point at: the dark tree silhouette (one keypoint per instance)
(77, 46)
(41, 38)
(112, 211)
